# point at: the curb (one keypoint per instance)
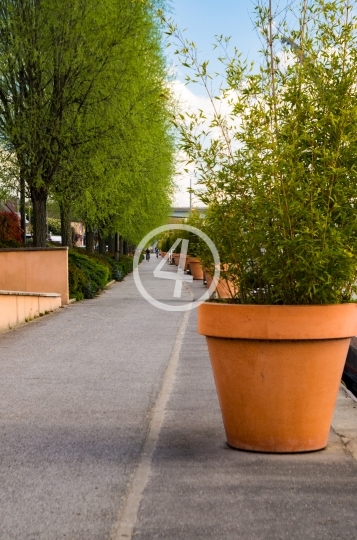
(349, 393)
(344, 422)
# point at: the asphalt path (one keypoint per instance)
(110, 429)
(77, 390)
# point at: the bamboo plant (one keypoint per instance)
(278, 173)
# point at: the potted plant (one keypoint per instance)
(280, 183)
(165, 245)
(195, 246)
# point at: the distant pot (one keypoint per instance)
(186, 263)
(277, 371)
(176, 257)
(224, 289)
(195, 267)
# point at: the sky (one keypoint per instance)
(202, 20)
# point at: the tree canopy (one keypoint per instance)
(84, 110)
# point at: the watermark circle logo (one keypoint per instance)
(179, 277)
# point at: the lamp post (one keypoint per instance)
(190, 193)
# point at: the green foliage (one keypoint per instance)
(90, 273)
(85, 111)
(10, 244)
(118, 269)
(278, 172)
(77, 281)
(121, 267)
(121, 180)
(165, 243)
(54, 225)
(87, 277)
(196, 245)
(168, 239)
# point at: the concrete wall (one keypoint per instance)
(35, 270)
(16, 307)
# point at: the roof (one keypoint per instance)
(8, 206)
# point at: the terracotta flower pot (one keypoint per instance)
(176, 257)
(224, 289)
(277, 371)
(163, 253)
(195, 267)
(177, 261)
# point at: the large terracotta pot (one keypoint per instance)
(195, 267)
(277, 371)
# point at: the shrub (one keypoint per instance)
(77, 281)
(89, 273)
(86, 276)
(97, 257)
(11, 244)
(54, 226)
(122, 267)
(10, 230)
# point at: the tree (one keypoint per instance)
(56, 61)
(122, 180)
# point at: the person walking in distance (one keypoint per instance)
(147, 254)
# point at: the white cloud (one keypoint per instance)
(187, 101)
(190, 102)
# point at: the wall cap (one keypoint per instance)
(15, 250)
(25, 293)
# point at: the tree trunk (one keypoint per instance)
(111, 243)
(39, 200)
(66, 230)
(101, 247)
(22, 207)
(117, 246)
(89, 239)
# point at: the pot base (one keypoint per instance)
(235, 448)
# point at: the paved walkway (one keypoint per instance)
(110, 429)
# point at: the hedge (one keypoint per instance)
(89, 273)
(87, 277)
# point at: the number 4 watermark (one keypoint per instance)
(179, 277)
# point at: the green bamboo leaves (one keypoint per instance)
(280, 176)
